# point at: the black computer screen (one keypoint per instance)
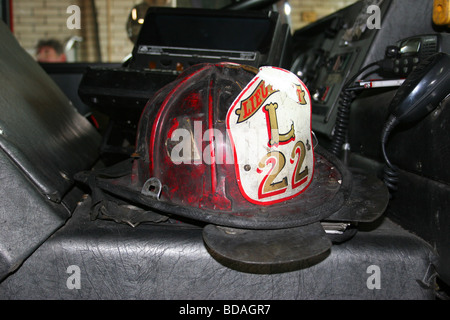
(207, 30)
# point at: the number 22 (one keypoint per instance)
(277, 160)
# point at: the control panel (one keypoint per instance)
(407, 54)
(329, 52)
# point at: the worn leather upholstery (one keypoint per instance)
(43, 142)
(169, 261)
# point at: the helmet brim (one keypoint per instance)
(336, 193)
(267, 251)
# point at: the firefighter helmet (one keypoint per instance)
(232, 146)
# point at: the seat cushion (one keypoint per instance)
(170, 261)
(44, 141)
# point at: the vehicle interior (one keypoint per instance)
(377, 72)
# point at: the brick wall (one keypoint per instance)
(112, 16)
(307, 11)
(43, 19)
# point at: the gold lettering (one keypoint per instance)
(275, 138)
(301, 95)
(269, 187)
(253, 103)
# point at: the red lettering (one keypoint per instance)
(264, 91)
(247, 110)
(258, 97)
(254, 106)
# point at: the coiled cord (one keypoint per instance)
(342, 121)
(347, 96)
(391, 178)
(340, 137)
(390, 171)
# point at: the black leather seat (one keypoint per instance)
(169, 261)
(44, 141)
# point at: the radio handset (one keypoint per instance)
(423, 90)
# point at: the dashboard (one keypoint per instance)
(330, 51)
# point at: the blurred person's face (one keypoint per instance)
(48, 54)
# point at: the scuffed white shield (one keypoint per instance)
(269, 125)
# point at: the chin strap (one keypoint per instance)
(107, 207)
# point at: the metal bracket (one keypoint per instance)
(152, 188)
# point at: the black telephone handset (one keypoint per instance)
(423, 90)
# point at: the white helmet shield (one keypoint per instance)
(269, 125)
